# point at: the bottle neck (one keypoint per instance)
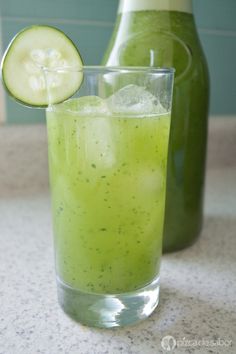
(158, 5)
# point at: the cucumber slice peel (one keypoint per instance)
(36, 54)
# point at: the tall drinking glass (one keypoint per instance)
(108, 149)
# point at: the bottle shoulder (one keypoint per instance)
(156, 38)
(131, 23)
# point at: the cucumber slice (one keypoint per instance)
(33, 49)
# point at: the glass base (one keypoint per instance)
(106, 311)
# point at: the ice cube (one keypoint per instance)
(134, 100)
(101, 148)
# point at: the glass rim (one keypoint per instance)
(118, 69)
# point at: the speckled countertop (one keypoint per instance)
(198, 285)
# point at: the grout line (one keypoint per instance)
(59, 21)
(216, 32)
(225, 33)
(223, 116)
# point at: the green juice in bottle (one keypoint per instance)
(162, 33)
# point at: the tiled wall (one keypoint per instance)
(89, 23)
(216, 21)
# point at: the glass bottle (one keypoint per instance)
(163, 33)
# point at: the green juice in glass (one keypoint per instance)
(108, 182)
